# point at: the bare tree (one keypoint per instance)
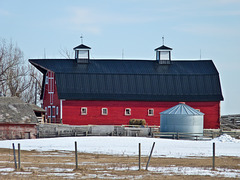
(16, 78)
(12, 70)
(32, 94)
(66, 53)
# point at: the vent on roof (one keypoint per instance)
(82, 53)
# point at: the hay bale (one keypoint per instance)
(137, 122)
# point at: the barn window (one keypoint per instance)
(57, 110)
(150, 112)
(83, 111)
(127, 112)
(50, 82)
(104, 111)
(46, 81)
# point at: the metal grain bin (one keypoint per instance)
(182, 119)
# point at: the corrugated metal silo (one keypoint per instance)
(182, 119)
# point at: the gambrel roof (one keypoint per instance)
(136, 80)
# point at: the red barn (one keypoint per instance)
(84, 91)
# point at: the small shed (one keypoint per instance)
(17, 119)
(39, 112)
(182, 119)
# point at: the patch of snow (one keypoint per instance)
(13, 108)
(225, 138)
(6, 169)
(22, 173)
(128, 146)
(47, 169)
(219, 172)
(61, 174)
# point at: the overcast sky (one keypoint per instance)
(132, 29)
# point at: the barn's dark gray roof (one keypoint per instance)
(15, 111)
(145, 80)
(82, 46)
(163, 47)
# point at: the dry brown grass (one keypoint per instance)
(61, 164)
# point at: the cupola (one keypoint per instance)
(82, 54)
(163, 54)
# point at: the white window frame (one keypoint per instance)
(51, 98)
(151, 112)
(53, 109)
(46, 80)
(50, 113)
(50, 82)
(128, 112)
(83, 110)
(57, 111)
(105, 111)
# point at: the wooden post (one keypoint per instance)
(213, 165)
(14, 155)
(139, 156)
(76, 155)
(150, 155)
(19, 157)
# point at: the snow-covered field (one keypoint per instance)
(225, 146)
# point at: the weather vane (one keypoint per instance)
(81, 39)
(163, 40)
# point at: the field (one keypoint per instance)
(117, 158)
(61, 164)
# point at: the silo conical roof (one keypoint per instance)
(182, 108)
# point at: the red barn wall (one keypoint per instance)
(51, 103)
(71, 112)
(18, 131)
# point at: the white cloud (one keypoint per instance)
(4, 12)
(92, 20)
(209, 30)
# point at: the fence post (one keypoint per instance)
(19, 156)
(150, 155)
(14, 155)
(76, 155)
(213, 159)
(139, 156)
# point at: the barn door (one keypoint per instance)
(51, 114)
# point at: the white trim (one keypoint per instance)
(53, 111)
(60, 108)
(104, 114)
(57, 111)
(50, 113)
(46, 80)
(82, 110)
(150, 114)
(126, 114)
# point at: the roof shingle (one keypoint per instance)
(143, 80)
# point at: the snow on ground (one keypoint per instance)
(225, 146)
